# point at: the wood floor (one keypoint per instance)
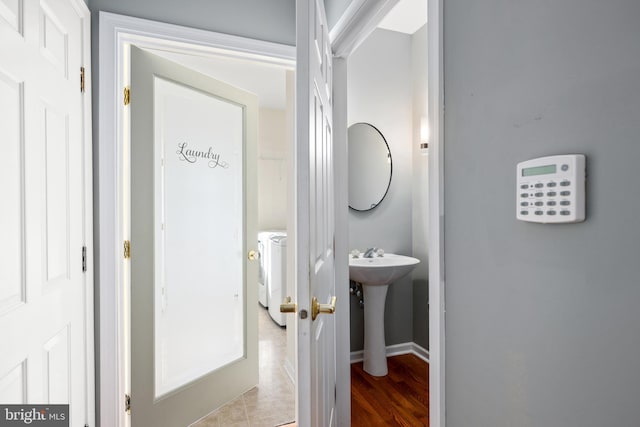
(399, 399)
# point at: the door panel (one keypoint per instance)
(12, 278)
(193, 220)
(56, 164)
(315, 217)
(208, 239)
(43, 289)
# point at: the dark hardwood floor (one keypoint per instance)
(399, 399)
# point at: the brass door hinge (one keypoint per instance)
(82, 79)
(127, 249)
(127, 95)
(127, 404)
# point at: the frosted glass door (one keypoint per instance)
(199, 295)
(194, 332)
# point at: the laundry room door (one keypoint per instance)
(314, 230)
(193, 249)
(44, 223)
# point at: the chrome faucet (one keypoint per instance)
(369, 253)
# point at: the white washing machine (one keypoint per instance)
(278, 279)
(265, 266)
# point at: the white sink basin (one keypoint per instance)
(378, 271)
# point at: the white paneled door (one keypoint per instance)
(43, 289)
(315, 219)
(194, 338)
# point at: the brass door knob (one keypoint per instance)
(253, 255)
(317, 308)
(288, 307)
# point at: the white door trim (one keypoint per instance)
(341, 264)
(435, 99)
(116, 33)
(87, 215)
(355, 25)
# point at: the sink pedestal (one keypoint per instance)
(375, 349)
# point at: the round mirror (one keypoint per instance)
(369, 167)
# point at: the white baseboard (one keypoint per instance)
(396, 350)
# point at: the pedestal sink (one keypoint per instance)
(376, 274)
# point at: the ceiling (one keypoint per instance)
(408, 16)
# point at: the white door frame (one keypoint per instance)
(88, 217)
(358, 21)
(435, 98)
(116, 33)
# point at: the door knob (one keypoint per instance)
(288, 307)
(253, 255)
(317, 308)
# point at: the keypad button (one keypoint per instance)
(551, 203)
(551, 184)
(563, 184)
(539, 212)
(524, 195)
(539, 185)
(539, 203)
(539, 194)
(524, 186)
(525, 204)
(551, 213)
(565, 213)
(565, 203)
(524, 212)
(565, 193)
(552, 194)
(564, 167)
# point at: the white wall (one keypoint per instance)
(272, 169)
(380, 93)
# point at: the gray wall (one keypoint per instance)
(379, 92)
(272, 20)
(542, 321)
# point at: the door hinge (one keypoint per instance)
(82, 79)
(127, 249)
(127, 404)
(334, 246)
(127, 95)
(84, 259)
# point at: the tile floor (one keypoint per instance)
(272, 402)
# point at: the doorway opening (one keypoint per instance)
(186, 45)
(388, 82)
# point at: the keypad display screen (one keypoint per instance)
(539, 170)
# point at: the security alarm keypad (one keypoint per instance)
(551, 189)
